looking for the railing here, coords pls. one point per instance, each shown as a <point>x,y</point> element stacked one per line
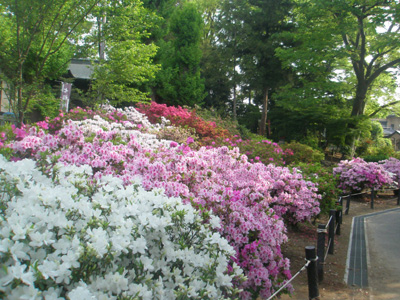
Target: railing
<point>372,191</point>
<point>315,258</point>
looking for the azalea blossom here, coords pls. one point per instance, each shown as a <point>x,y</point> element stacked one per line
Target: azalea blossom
<point>82,258</point>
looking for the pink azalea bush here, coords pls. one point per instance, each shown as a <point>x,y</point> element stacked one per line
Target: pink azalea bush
<point>392,165</point>
<point>252,200</point>
<point>356,175</point>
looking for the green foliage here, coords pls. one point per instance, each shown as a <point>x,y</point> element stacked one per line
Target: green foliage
<point>226,122</point>
<point>376,158</point>
<point>373,145</point>
<point>396,155</point>
<point>312,123</point>
<point>214,68</point>
<point>376,130</point>
<point>178,134</point>
<point>302,153</point>
<point>45,103</point>
<point>257,149</point>
<point>337,54</point>
<point>6,134</point>
<point>249,116</point>
<point>121,77</point>
<point>179,81</point>
<point>37,41</point>
<point>326,181</point>
<point>312,140</point>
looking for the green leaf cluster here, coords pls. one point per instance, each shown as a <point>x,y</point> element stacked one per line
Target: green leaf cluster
<point>179,81</point>
<point>127,66</point>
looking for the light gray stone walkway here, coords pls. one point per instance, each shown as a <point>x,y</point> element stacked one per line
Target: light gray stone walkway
<point>383,240</point>
<point>374,254</point>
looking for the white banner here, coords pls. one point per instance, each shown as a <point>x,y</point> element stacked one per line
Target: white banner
<point>65,95</point>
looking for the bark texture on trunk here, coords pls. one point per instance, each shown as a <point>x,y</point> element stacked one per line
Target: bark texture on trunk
<point>264,116</point>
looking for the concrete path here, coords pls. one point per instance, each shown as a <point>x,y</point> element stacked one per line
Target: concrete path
<point>373,259</point>
<point>383,240</point>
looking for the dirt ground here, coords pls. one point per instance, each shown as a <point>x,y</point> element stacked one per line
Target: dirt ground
<point>333,286</point>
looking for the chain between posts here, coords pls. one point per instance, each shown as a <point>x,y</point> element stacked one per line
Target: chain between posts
<point>291,279</point>
<point>315,261</point>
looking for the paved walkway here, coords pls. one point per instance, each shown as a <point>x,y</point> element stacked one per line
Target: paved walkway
<point>373,256</point>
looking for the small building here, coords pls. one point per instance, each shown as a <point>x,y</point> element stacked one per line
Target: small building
<point>395,138</point>
<point>4,103</point>
<point>390,124</point>
<point>391,130</point>
<point>79,72</point>
<point>80,69</point>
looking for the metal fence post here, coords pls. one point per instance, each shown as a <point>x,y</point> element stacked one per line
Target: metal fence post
<point>338,221</point>
<point>398,193</point>
<point>340,203</point>
<point>372,198</point>
<point>321,251</point>
<point>331,231</point>
<point>348,204</point>
<point>312,275</point>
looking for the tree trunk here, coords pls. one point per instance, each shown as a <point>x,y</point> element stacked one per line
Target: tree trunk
<point>263,122</point>
<point>20,109</point>
<point>19,113</point>
<point>234,103</point>
<point>101,21</point>
<point>359,100</point>
<point>234,111</point>
<point>358,110</point>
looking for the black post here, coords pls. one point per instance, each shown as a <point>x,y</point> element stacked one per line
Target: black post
<point>331,230</point>
<point>348,204</point>
<point>372,198</point>
<point>340,203</point>
<point>337,216</point>
<point>321,251</point>
<point>398,197</point>
<point>312,273</point>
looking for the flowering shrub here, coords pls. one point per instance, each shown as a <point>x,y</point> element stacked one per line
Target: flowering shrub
<point>263,151</point>
<point>207,131</point>
<point>302,153</point>
<point>212,115</point>
<point>356,175</point>
<point>251,199</point>
<point>392,165</point>
<point>326,182</point>
<point>70,237</point>
<point>179,135</point>
<point>289,191</point>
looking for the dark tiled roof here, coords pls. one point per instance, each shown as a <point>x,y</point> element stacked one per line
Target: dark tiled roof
<point>393,133</point>
<point>80,68</point>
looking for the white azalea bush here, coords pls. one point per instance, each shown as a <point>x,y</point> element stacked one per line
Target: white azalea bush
<point>66,236</point>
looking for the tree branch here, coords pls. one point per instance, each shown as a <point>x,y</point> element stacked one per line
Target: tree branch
<point>383,106</point>
<point>381,69</point>
<point>76,23</point>
<point>50,29</point>
<point>377,56</point>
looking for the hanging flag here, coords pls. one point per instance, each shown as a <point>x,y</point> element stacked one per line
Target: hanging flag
<point>65,95</point>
